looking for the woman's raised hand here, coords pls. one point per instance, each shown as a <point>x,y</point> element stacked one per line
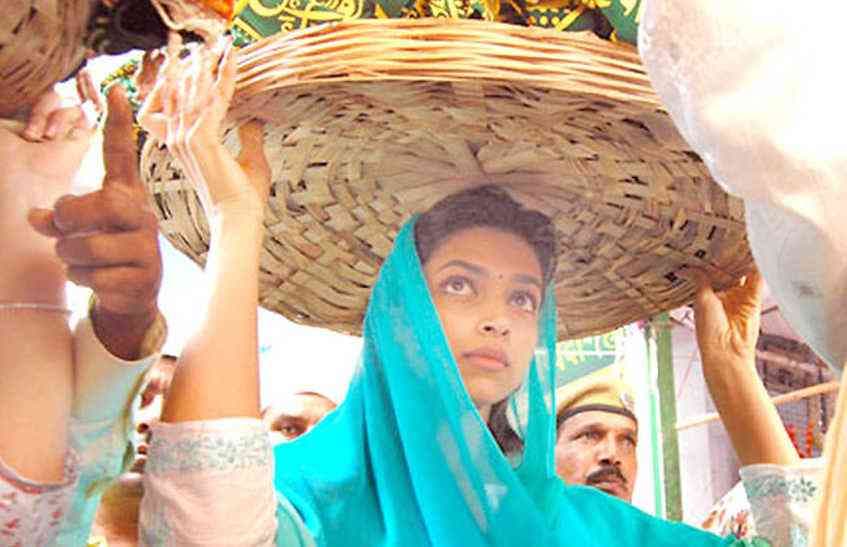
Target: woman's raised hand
<point>41,157</point>
<point>728,323</point>
<point>186,110</point>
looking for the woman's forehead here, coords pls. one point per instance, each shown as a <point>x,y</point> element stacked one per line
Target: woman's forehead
<point>496,251</point>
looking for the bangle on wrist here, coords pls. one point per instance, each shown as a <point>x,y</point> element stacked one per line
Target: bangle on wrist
<point>34,306</point>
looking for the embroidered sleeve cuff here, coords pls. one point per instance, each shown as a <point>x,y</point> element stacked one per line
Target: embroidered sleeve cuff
<point>782,499</point>
<point>209,483</point>
<point>219,446</point>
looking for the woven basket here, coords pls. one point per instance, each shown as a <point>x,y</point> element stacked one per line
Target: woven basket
<point>371,121</point>
<point>41,42</point>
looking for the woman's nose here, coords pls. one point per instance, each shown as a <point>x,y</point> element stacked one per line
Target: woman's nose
<point>494,326</point>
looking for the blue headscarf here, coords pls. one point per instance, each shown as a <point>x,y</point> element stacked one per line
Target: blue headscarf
<point>407,460</point>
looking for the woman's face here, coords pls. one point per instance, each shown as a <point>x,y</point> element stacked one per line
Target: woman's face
<point>487,287</point>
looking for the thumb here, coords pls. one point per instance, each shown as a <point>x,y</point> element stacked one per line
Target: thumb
<point>120,153</point>
<point>252,156</point>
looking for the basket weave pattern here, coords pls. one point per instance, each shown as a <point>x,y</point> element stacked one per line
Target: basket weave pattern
<point>372,121</point>
<point>41,42</point>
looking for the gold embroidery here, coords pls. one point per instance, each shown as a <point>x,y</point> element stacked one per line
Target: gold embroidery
<point>570,18</point>
<point>628,6</point>
<point>247,29</point>
<point>263,11</point>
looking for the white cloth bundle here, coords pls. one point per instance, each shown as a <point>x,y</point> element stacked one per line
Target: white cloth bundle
<point>756,88</point>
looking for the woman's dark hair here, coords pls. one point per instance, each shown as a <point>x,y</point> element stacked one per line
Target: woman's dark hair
<point>490,207</point>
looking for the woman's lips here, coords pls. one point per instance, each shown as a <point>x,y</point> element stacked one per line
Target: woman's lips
<point>487,358</point>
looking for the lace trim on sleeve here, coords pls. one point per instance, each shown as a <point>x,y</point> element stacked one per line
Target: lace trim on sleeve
<point>219,445</point>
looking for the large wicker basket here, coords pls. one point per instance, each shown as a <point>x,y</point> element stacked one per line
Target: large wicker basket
<point>371,121</point>
<point>41,42</point>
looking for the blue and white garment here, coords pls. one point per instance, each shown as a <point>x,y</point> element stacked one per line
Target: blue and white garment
<point>405,460</point>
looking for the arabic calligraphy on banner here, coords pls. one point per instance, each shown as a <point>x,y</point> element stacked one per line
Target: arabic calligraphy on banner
<point>613,19</point>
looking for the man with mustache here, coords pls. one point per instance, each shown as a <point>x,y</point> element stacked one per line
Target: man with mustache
<point>597,433</point>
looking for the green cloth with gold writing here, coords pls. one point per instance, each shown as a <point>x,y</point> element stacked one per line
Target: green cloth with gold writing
<point>613,19</point>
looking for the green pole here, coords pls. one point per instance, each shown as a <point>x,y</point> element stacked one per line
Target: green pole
<point>655,424</point>
<point>667,404</point>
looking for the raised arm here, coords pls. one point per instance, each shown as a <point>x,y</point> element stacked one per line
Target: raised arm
<point>209,474</point>
<point>40,159</point>
<point>36,372</point>
<point>727,331</point>
<point>218,372</point>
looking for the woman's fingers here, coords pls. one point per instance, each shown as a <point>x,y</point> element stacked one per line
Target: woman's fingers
<point>186,109</point>
<point>709,310</point>
<point>62,121</point>
<point>151,116</point>
<point>754,284</point>
<point>226,72</point>
<point>40,114</point>
<point>51,120</point>
<point>148,76</point>
<point>88,91</point>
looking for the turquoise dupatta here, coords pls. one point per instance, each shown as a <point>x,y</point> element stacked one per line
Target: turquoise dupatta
<point>406,459</point>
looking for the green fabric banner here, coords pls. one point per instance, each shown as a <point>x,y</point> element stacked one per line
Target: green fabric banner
<point>613,19</point>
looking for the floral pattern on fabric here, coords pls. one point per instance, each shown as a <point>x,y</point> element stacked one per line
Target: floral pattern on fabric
<point>30,512</point>
<point>772,506</point>
<point>794,489</point>
<point>731,515</point>
<point>782,500</point>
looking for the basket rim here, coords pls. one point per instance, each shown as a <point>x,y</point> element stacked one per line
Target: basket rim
<point>266,68</point>
<point>295,57</point>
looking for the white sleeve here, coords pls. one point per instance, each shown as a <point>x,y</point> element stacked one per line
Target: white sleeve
<point>209,483</point>
<point>99,430</point>
<point>104,385</point>
<point>756,91</point>
<point>782,500</point>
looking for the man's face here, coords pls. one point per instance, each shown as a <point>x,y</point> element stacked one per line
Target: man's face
<point>597,448</point>
<point>296,414</point>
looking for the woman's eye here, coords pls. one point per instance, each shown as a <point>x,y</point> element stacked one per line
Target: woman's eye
<point>524,301</point>
<point>457,285</point>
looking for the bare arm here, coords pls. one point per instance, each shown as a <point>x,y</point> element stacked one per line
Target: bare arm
<point>217,375</point>
<point>727,331</point>
<point>36,372</point>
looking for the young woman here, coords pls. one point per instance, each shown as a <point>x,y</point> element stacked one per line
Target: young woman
<point>446,435</point>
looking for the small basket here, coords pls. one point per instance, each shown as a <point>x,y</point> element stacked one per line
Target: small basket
<point>41,43</point>
<point>371,121</point>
